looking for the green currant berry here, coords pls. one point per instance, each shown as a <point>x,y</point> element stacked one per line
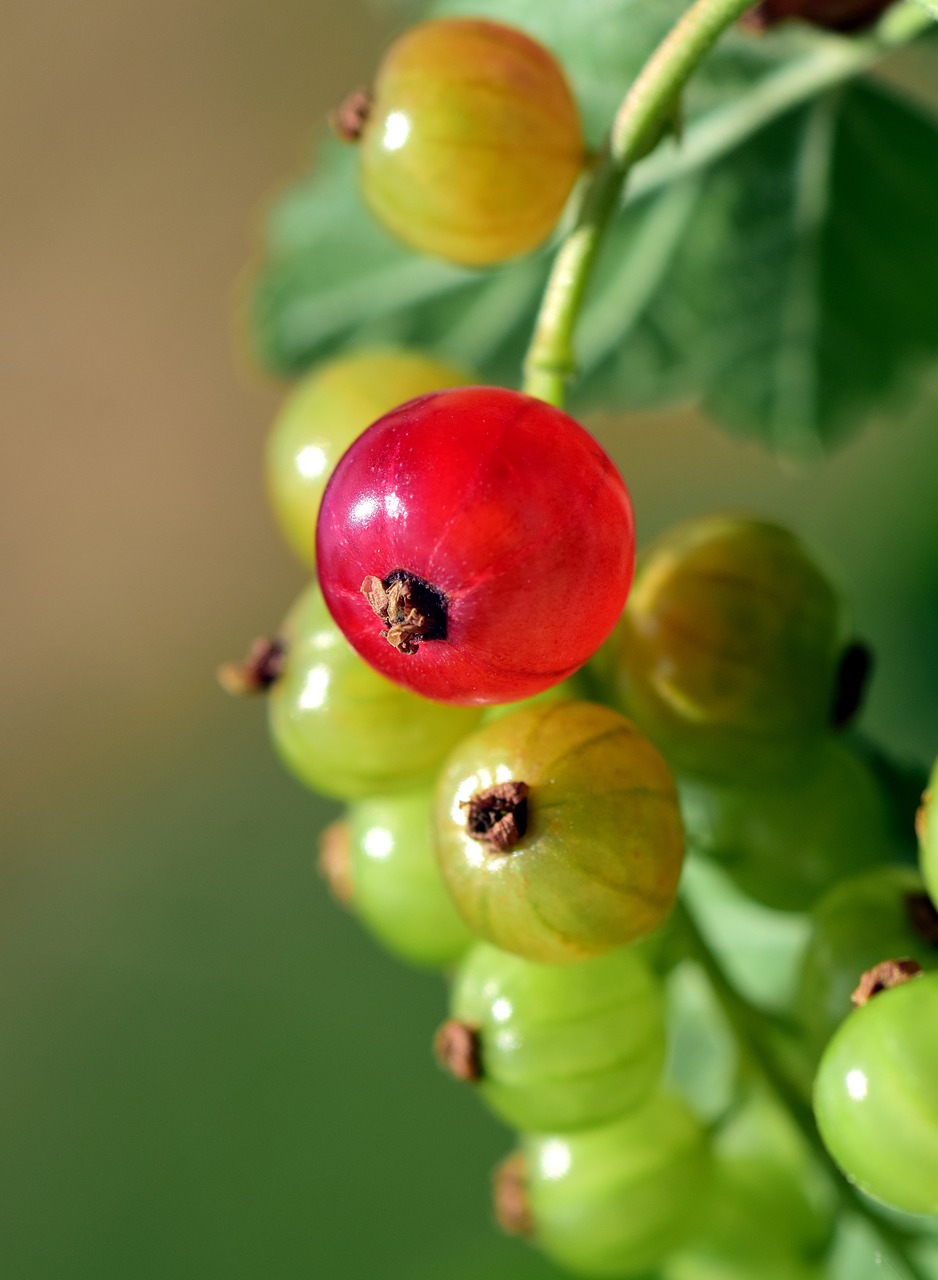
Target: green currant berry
<point>555,1047</point>
<point>876,1096</point>
<point>926,826</point>
<point>396,885</point>
<point>343,729</point>
<point>857,924</point>
<point>616,1200</point>
<point>558,832</point>
<point>470,142</point>
<point>785,845</point>
<point>728,651</point>
<point>321,417</point>
<point>719,1263</point>
<point>771,1212</point>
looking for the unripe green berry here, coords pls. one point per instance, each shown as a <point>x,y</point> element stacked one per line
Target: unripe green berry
<point>396,885</point>
<point>559,1047</point>
<point>727,652</point>
<point>558,832</point>
<point>876,1094</point>
<point>772,1212</point>
<point>787,844</point>
<point>471,141</point>
<point>864,919</point>
<point>343,729</point>
<point>616,1200</point>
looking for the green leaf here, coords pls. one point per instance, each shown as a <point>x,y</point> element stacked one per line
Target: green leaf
<point>776,264</point>
<point>802,297</point>
<point>930,6</point>
<point>603,44</point>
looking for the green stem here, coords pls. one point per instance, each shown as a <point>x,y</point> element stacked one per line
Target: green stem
<point>753,1029</point>
<point>718,132</point>
<point>550,361</point>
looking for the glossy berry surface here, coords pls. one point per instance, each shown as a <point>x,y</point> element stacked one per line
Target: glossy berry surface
<point>785,845</point>
<point>561,1047</point>
<point>343,729</point>
<point>876,1096</point>
<point>927,829</point>
<point>616,1200</point>
<point>486,535</point>
<point>727,653</point>
<point>320,418</point>
<point>472,141</point>
<point>863,920</point>
<point>397,889</point>
<point>558,832</point>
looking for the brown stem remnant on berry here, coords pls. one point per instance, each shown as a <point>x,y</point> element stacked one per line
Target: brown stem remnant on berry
<point>458,1050</point>
<point>510,1197</point>
<point>923,917</point>
<point>853,678</point>
<point>335,863</point>
<point>883,977</point>
<point>834,15</point>
<point>349,118</point>
<point>498,816</point>
<point>259,670</point>
<point>411,609</point>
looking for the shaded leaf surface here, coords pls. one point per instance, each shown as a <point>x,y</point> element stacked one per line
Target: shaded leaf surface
<point>789,286</point>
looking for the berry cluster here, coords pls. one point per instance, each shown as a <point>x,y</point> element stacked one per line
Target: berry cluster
<point>527,742</point>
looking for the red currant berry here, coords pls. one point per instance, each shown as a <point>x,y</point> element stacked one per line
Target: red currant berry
<point>470,140</point>
<point>321,417</point>
<point>475,545</point>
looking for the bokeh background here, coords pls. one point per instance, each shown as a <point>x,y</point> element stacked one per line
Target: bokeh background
<point>205,1069</point>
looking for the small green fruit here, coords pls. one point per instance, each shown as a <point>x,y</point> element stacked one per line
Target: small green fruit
<point>557,1047</point>
<point>343,729</point>
<point>558,832</point>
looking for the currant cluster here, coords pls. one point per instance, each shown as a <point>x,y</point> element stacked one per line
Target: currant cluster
<point>527,743</point>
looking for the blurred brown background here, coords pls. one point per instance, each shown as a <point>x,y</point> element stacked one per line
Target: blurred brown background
<point>204,1069</point>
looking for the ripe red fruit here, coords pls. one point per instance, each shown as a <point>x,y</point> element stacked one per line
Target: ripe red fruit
<point>489,533</point>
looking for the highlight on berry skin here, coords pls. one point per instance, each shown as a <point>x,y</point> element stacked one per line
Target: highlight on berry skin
<point>476,545</point>
<point>556,1047</point>
<point>323,413</point>
<point>597,863</point>
<point>470,140</point>
<point>876,1091</point>
<point>343,729</point>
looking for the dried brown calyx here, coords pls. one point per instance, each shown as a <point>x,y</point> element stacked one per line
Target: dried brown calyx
<point>260,669</point>
<point>459,1051</point>
<point>411,609</point>
<point>835,15</point>
<point>883,977</point>
<point>335,860</point>
<point>349,118</point>
<point>510,1197</point>
<point>498,816</point>
<point>923,917</point>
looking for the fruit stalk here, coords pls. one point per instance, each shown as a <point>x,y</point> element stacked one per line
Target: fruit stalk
<point>550,361</point>
<point>751,1027</point>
